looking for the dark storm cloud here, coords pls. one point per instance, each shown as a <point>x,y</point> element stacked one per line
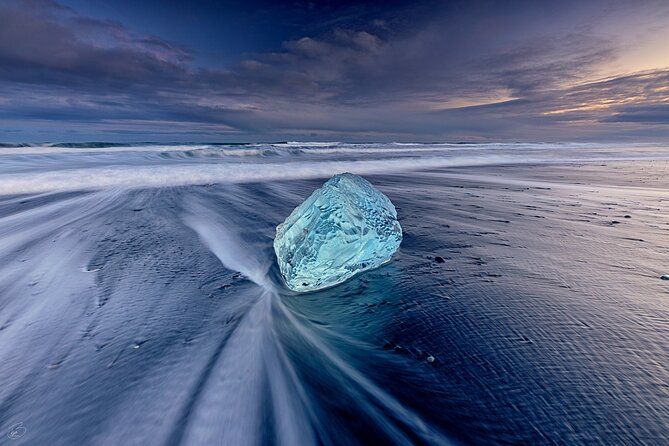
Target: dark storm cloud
<point>351,71</point>
<point>44,49</point>
<point>649,114</point>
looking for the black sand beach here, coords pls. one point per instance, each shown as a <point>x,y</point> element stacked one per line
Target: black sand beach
<point>156,315</point>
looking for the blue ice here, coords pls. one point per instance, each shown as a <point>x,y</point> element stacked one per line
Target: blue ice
<point>345,227</point>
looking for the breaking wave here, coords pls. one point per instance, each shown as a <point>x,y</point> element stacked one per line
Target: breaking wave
<point>71,167</point>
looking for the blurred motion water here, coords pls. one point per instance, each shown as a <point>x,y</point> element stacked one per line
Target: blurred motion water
<point>140,301</point>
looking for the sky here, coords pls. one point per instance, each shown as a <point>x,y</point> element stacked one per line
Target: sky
<point>247,71</point>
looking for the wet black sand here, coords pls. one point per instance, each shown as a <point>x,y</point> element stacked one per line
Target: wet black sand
<point>547,322</point>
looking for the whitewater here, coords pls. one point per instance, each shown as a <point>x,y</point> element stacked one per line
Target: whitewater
<point>141,303</point>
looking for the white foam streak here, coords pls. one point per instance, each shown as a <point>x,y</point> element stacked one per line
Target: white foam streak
<point>191,174</point>
<point>51,150</point>
<point>50,169</point>
<point>229,249</point>
<point>254,353</point>
<point>251,355</point>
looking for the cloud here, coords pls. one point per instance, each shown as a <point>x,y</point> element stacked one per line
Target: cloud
<point>46,44</point>
<point>645,114</point>
<point>483,73</point>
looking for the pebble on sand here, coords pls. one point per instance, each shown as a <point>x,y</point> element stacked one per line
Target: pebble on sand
<point>664,277</point>
<point>430,358</point>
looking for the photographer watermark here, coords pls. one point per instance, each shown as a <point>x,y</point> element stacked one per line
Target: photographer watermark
<point>16,431</point>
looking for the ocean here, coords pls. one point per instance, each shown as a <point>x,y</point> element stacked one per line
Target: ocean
<point>141,303</point>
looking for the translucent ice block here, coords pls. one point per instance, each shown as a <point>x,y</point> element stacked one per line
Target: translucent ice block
<point>345,227</point>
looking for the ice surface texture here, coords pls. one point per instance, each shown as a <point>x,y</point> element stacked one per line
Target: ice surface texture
<point>345,227</point>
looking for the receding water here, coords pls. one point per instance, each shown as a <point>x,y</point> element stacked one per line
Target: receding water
<point>140,301</point>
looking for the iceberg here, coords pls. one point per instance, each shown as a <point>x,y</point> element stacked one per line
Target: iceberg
<point>345,227</point>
